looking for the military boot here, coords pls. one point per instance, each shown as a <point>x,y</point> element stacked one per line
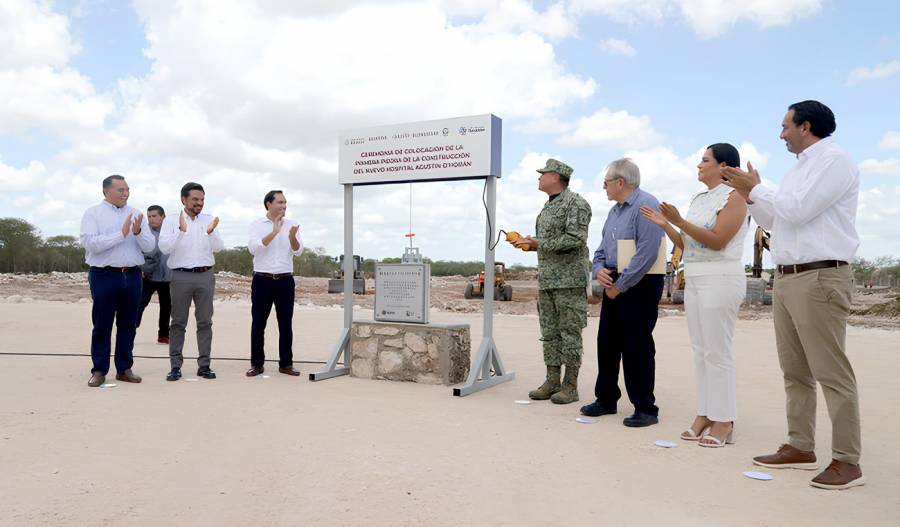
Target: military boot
<point>568,393</point>
<point>550,386</point>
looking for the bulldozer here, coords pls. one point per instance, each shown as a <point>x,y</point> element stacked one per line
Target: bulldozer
<point>336,283</point>
<point>502,290</point>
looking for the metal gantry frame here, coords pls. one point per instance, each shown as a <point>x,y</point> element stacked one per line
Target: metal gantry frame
<point>487,369</point>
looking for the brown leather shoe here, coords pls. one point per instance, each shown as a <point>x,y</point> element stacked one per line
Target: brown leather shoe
<point>128,376</point>
<point>289,371</point>
<point>254,371</point>
<point>788,457</point>
<point>97,379</point>
<point>839,476</point>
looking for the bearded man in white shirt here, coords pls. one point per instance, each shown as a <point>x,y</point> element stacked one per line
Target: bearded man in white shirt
<point>812,216</point>
<point>190,239</point>
<point>115,237</point>
<point>273,243</point>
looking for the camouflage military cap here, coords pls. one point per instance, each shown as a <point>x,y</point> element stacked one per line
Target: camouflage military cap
<point>564,170</point>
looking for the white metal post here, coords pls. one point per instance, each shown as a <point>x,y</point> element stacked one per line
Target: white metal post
<point>342,348</point>
<point>487,368</point>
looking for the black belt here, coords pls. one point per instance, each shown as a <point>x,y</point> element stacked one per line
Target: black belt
<point>802,268</point>
<point>274,276</point>
<point>192,269</point>
<point>111,269</point>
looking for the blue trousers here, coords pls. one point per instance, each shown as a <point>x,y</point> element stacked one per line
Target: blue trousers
<point>117,296</point>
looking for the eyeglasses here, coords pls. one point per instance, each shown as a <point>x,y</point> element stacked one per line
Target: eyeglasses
<point>608,181</point>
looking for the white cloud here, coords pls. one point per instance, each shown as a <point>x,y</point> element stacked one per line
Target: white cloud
<point>880,167</point>
<point>615,46</point>
<point>711,18</point>
<point>30,34</point>
<point>708,18</point>
<point>246,97</point>
<point>877,218</point>
<point>628,11</point>
<point>612,129</point>
<point>877,72</point>
<point>890,141</point>
<point>38,88</point>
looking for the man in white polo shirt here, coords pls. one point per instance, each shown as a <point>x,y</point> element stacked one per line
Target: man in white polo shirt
<point>190,239</point>
<point>115,237</point>
<point>273,243</point>
<point>812,216</point>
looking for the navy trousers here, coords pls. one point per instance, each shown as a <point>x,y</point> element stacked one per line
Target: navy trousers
<point>117,297</point>
<point>264,292</point>
<point>626,335</point>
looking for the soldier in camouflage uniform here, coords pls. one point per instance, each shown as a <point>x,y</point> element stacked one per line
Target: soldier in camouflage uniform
<point>560,239</point>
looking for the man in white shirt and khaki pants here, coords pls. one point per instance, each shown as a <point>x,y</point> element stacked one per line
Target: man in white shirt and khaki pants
<point>812,216</point>
<point>190,239</point>
<point>115,237</point>
<point>273,243</point>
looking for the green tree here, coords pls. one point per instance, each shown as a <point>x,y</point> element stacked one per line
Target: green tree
<point>19,244</point>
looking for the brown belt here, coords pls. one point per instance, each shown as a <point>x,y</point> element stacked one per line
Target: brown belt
<point>274,276</point>
<point>802,268</point>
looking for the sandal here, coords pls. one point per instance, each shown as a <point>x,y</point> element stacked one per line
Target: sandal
<point>689,435</point>
<point>715,442</point>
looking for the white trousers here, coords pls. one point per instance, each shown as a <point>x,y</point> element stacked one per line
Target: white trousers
<point>711,303</point>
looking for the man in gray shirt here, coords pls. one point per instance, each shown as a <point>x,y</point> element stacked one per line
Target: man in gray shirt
<point>630,299</point>
<point>157,276</point>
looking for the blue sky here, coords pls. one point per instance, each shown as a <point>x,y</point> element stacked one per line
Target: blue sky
<point>245,97</point>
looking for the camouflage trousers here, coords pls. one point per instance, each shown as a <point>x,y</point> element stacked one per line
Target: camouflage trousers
<point>563,314</point>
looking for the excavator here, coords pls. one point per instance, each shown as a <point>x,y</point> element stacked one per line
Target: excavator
<point>674,284</point>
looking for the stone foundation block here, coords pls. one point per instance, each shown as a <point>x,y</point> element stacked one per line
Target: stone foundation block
<point>429,353</point>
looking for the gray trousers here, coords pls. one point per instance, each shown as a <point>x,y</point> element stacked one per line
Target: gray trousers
<point>200,288</point>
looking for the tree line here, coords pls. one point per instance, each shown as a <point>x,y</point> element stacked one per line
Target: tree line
<point>24,250</point>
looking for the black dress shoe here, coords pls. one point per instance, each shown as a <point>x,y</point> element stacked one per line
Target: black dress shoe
<point>254,371</point>
<point>596,409</point>
<point>174,375</point>
<point>638,420</point>
<point>206,373</point>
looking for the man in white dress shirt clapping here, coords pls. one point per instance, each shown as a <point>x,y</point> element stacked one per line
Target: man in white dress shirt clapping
<point>115,237</point>
<point>190,239</point>
<point>274,241</point>
<point>812,216</point>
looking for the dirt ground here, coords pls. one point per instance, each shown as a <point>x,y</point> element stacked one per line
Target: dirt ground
<point>286,451</point>
<point>871,307</point>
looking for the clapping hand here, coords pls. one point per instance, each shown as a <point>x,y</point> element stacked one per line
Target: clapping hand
<point>182,225</point>
<point>126,226</point>
<point>654,216</point>
<point>136,228</point>
<point>293,232</point>
<point>212,225</point>
<point>740,180</point>
<point>277,224</point>
<point>670,212</point>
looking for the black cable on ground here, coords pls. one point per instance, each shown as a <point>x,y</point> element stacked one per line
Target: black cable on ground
<point>25,354</point>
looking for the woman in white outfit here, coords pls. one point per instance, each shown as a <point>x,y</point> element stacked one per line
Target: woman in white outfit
<point>712,236</point>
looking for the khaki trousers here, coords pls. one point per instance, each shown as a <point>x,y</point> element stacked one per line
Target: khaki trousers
<point>810,312</point>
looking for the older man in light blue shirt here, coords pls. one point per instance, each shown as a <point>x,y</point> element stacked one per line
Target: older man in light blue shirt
<point>630,299</point>
<point>115,237</point>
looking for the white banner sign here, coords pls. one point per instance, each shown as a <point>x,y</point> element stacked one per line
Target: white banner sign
<point>446,149</point>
